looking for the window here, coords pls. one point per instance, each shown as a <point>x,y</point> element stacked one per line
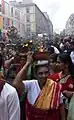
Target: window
<point>44,29</point>
<point>28,18</point>
<point>27,10</point>
<point>17,14</point>
<point>28,28</point>
<point>11,11</point>
<point>5,21</point>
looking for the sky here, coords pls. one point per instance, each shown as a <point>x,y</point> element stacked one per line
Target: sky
<point>58,11</point>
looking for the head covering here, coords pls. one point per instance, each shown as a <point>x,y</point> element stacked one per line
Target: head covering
<point>42,62</point>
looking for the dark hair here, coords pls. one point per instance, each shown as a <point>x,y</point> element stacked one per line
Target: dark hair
<point>11,69</point>
<point>53,57</point>
<point>38,66</point>
<point>1,61</point>
<point>65,58</point>
<point>51,50</point>
<point>72,42</point>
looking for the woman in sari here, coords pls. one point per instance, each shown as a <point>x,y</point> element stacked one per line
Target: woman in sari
<point>44,99</point>
<point>65,76</point>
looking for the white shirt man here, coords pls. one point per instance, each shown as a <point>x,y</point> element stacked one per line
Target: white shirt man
<point>9,103</point>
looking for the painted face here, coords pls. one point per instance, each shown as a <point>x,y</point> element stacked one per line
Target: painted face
<point>61,66</point>
<point>42,74</point>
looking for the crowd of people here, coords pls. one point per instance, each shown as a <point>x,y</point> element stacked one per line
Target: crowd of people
<point>37,85</point>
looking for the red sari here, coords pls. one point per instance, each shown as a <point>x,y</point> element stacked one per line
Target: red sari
<point>47,105</point>
<point>33,113</point>
<point>66,85</point>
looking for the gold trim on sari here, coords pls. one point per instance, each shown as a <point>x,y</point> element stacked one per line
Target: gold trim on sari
<point>47,98</point>
<point>64,79</point>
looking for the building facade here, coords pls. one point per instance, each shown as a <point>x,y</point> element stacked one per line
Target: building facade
<point>69,28</point>
<point>50,26</point>
<point>11,16</point>
<point>26,17</point>
<point>35,21</point>
<point>14,2</point>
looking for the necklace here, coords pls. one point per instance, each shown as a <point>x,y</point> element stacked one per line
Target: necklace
<point>64,78</point>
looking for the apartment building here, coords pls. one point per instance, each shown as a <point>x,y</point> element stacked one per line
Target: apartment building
<point>36,21</point>
<point>9,15</point>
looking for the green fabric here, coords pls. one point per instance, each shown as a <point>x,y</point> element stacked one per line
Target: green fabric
<point>23,97</point>
<point>1,70</point>
<point>71,109</point>
<point>29,73</point>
